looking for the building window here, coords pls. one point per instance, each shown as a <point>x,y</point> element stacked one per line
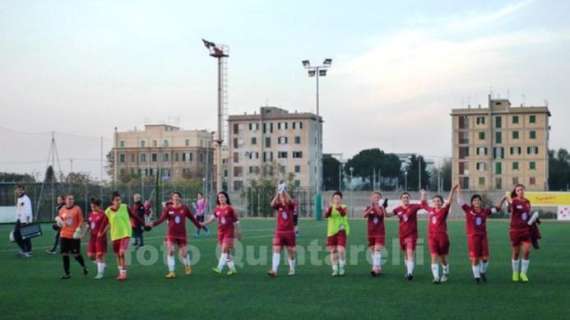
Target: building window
<point>532,165</point>
<point>482,135</point>
<point>498,137</point>
<point>297,154</point>
<point>480,120</point>
<point>463,122</point>
<point>297,169</point>
<point>154,143</point>
<point>122,157</point>
<point>498,183</point>
<point>532,150</point>
<point>238,172</point>
<point>464,182</point>
<point>133,157</point>
<point>498,168</point>
<point>463,137</point>
<point>300,125</point>
<point>515,181</point>
<point>516,150</point>
<point>165,157</point>
<point>532,134</point>
<point>532,181</point>
<point>463,152</point>
<point>294,125</point>
<point>498,153</point>
<point>122,144</point>
<point>268,142</point>
<point>235,143</point>
<point>154,157</point>
<point>187,142</point>
<point>282,140</point>
<point>236,157</point>
<point>515,165</point>
<point>264,127</point>
<point>278,125</point>
<point>271,127</point>
<point>515,135</point>
<point>176,157</point>
<point>286,125</point>
<point>481,166</point>
<point>143,157</point>
<point>253,140</point>
<point>238,185</point>
<point>481,151</point>
<point>462,170</point>
<point>142,143</point>
<point>165,143</point>
<point>282,155</point>
<point>532,119</point>
<point>498,122</point>
<point>250,126</point>
<point>236,128</point>
<point>297,139</point>
<point>515,119</point>
<point>481,181</point>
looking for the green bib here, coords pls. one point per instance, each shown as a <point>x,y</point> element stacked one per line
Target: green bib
<point>119,222</point>
<point>336,223</point>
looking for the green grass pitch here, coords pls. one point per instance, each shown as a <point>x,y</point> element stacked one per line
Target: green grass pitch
<point>30,288</point>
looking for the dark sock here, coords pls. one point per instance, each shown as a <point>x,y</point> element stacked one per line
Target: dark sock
<point>79,258</point>
<point>66,264</point>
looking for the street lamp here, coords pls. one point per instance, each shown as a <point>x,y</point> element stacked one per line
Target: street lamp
<point>219,52</point>
<point>317,72</point>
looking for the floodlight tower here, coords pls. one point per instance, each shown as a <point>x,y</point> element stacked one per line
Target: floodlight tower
<point>317,72</point>
<point>220,52</point>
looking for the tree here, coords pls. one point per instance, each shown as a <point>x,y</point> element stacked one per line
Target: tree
<point>16,177</point>
<point>442,172</point>
<point>558,169</point>
<point>50,175</point>
<point>413,173</point>
<point>370,162</point>
<point>78,178</point>
<point>331,172</point>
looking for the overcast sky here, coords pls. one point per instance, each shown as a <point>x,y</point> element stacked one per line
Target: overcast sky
<point>80,68</point>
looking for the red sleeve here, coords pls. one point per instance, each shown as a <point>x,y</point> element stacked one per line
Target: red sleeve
<point>162,218</point>
<point>234,215</point>
<point>342,211</point>
<point>328,212</point>
<point>424,205</point>
<point>276,206</point>
<point>417,207</point>
<point>465,208</point>
<point>190,216</point>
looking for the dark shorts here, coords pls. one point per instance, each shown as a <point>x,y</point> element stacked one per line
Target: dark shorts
<point>376,240</point>
<point>96,247</point>
<point>295,219</point>
<point>439,244</point>
<point>120,246</point>
<point>284,239</point>
<point>518,236</point>
<point>337,240</point>
<point>70,246</point>
<point>478,246</point>
<point>408,242</point>
<point>171,242</point>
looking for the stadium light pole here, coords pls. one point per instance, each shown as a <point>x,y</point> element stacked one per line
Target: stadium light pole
<point>317,72</point>
<point>219,52</point>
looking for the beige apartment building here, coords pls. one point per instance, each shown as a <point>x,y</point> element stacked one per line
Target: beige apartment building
<point>164,150</point>
<point>274,143</point>
<point>497,147</point>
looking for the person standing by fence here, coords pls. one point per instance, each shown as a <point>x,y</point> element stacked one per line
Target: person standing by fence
<point>141,211</point>
<point>59,204</point>
<point>200,207</point>
<point>23,217</point>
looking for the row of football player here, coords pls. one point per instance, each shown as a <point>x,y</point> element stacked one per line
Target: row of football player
<point>116,221</point>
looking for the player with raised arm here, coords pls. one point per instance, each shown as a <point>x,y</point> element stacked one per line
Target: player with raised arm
<point>119,226</point>
<point>407,213</point>
<point>228,230</point>
<point>520,231</point>
<point>438,239</point>
<point>284,236</point>
<point>374,214</point>
<point>97,246</point>
<point>176,213</point>
<point>338,230</point>
<point>70,220</point>
<point>476,229</point>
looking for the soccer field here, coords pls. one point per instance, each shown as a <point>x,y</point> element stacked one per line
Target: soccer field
<point>30,288</point>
